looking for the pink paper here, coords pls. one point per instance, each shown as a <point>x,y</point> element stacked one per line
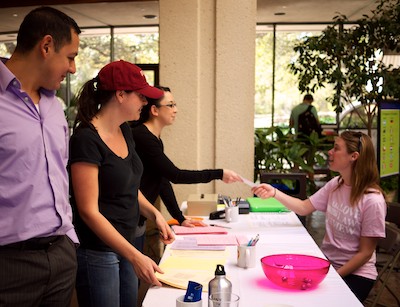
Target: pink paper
<point>182,230</point>
<point>218,240</point>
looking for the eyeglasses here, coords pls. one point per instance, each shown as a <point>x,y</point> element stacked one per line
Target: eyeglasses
<point>170,105</point>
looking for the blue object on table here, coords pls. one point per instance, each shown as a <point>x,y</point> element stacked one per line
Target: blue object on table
<point>193,292</point>
<point>284,188</point>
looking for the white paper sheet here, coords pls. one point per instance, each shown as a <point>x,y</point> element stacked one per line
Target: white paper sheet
<point>248,182</point>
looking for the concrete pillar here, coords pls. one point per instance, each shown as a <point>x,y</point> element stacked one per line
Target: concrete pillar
<point>207,57</point>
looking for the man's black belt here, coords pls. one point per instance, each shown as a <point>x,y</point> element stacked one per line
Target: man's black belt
<point>31,244</point>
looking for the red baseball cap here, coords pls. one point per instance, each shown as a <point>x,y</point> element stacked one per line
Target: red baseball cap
<point>124,76</point>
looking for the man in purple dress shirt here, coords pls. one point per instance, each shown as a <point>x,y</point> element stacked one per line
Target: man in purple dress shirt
<point>37,237</point>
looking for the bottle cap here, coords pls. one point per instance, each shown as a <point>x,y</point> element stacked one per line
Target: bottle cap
<point>220,270</point>
<point>193,292</point>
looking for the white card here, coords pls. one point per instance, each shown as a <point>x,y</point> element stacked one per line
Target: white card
<point>248,182</point>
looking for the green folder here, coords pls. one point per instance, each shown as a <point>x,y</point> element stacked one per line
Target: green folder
<point>266,205</point>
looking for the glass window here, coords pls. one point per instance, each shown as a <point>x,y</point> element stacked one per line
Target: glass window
<point>284,95</point>
<point>355,116</point>
<point>139,45</point>
<point>264,79</point>
<point>7,48</point>
<point>94,53</point>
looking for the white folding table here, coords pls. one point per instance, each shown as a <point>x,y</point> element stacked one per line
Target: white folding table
<point>279,233</point>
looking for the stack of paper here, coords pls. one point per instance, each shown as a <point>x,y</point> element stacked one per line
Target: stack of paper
<point>190,243</point>
<point>221,240</point>
<point>196,255</point>
<point>178,270</point>
<point>181,230</point>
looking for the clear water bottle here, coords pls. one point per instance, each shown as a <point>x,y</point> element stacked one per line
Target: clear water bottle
<point>220,283</point>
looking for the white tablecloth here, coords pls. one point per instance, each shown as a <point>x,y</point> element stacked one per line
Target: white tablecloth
<point>279,233</point>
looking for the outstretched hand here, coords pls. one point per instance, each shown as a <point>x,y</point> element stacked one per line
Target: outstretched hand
<point>230,176</point>
<point>264,190</point>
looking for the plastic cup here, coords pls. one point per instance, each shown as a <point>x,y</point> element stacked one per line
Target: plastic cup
<point>223,299</point>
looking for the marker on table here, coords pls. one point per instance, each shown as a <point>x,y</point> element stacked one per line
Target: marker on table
<point>254,241</point>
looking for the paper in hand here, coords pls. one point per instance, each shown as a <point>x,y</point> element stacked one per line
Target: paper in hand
<point>248,182</point>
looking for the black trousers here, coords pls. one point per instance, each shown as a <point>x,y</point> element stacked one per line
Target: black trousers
<point>38,272</point>
<point>360,286</point>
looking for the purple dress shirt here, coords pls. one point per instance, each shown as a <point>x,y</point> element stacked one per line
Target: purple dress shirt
<point>34,195</point>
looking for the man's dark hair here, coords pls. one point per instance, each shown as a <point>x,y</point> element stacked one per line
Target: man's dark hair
<point>45,21</point>
<point>308,97</point>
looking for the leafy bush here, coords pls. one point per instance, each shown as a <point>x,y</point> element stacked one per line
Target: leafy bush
<point>278,151</point>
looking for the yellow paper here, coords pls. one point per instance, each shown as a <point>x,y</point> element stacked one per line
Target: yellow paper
<point>199,254</point>
<point>191,263</point>
<point>179,270</point>
<point>180,278</point>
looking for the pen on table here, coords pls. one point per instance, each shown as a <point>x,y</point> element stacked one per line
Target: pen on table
<point>254,241</point>
<point>238,201</point>
<point>215,225</point>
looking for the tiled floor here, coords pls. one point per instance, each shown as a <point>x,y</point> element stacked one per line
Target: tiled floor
<point>316,227</point>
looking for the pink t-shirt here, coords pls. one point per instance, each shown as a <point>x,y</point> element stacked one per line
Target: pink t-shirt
<point>345,224</point>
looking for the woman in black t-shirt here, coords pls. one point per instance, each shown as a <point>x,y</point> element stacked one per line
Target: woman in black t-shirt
<point>105,173</point>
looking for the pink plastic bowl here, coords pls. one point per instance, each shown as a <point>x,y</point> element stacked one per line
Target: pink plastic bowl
<point>295,271</point>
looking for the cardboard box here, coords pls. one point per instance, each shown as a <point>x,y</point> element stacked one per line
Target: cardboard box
<point>201,204</point>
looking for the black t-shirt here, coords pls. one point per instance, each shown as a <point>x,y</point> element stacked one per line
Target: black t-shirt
<point>159,171</point>
<point>119,181</point>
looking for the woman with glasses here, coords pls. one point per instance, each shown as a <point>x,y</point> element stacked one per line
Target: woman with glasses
<point>354,207</point>
<point>159,171</point>
<point>105,173</point>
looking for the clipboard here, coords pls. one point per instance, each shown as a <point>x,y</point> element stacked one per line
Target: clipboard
<point>266,205</point>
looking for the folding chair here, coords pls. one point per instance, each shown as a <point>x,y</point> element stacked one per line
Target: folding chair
<point>391,249</point>
<point>393,218</point>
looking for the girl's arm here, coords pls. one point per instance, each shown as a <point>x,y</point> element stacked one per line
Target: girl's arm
<point>301,207</point>
<point>367,248</point>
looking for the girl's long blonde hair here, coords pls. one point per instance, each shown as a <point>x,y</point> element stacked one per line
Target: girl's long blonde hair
<point>365,175</point>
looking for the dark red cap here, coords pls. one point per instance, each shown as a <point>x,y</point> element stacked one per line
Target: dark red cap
<point>125,76</point>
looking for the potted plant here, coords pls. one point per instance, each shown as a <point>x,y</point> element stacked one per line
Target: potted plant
<point>390,186</point>
<point>284,152</point>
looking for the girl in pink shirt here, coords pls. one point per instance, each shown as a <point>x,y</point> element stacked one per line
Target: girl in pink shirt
<point>354,207</point>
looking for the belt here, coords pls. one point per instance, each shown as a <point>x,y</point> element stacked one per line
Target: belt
<point>31,244</point>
